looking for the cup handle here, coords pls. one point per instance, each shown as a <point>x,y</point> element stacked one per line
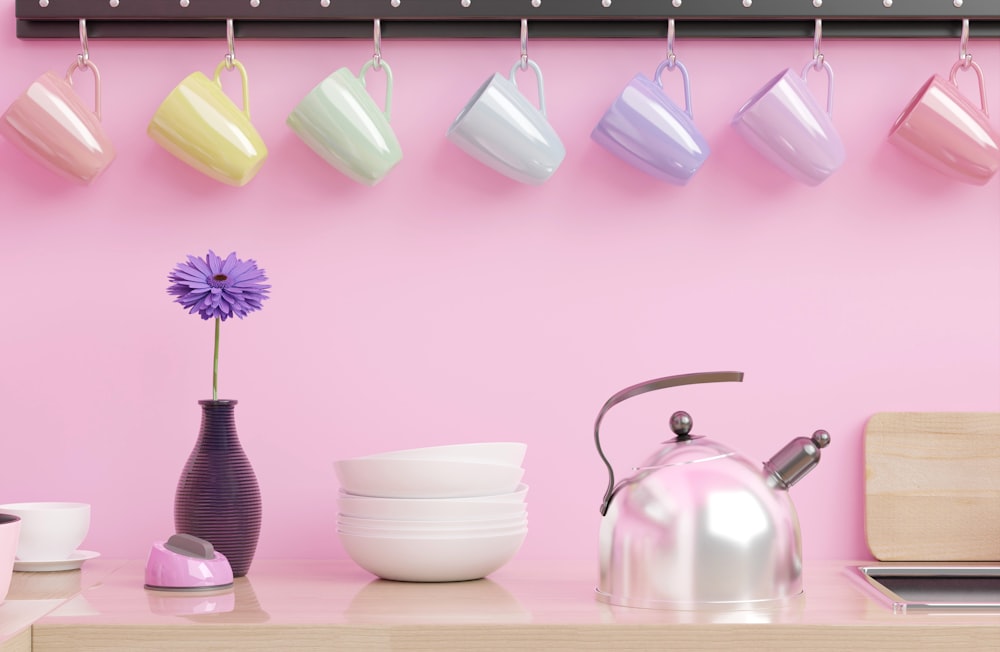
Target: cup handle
<point>670,64</point>
<point>821,64</point>
<point>963,64</point>
<point>233,63</point>
<point>388,82</point>
<point>91,66</point>
<point>538,75</point>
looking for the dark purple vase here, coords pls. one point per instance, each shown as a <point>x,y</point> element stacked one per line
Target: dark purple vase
<point>218,498</point>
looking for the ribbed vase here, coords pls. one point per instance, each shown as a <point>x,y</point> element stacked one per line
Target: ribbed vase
<point>218,498</point>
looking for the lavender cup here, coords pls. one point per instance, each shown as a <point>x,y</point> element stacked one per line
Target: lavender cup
<point>647,130</point>
<point>784,123</point>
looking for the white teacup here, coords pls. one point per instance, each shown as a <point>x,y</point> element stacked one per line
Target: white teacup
<point>49,531</point>
<point>10,527</point>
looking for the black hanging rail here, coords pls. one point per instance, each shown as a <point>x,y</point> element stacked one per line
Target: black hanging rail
<point>309,19</point>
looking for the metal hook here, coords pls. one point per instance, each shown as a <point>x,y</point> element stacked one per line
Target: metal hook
<point>231,42</point>
<point>963,53</point>
<point>817,44</point>
<point>377,57</point>
<point>83,59</point>
<point>83,62</point>
<point>671,57</point>
<point>524,44</point>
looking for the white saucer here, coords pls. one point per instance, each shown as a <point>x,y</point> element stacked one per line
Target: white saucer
<point>72,562</point>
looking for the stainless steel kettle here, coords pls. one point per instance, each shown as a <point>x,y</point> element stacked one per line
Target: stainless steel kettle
<point>699,525</point>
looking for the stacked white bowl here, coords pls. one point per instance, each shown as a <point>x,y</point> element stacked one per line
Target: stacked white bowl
<point>435,514</point>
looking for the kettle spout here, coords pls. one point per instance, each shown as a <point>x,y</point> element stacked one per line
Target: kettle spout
<point>795,460</point>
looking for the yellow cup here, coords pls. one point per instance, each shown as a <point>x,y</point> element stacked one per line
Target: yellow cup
<point>201,126</point>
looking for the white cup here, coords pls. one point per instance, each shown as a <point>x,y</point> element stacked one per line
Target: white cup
<point>500,128</point>
<point>10,527</point>
<point>49,531</point>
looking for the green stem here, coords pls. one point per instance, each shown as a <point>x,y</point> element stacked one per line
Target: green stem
<point>215,364</point>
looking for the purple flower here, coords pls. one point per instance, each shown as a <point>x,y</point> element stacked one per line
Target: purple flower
<point>217,288</point>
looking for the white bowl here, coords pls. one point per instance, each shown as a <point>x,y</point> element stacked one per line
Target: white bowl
<point>443,559</point>
<point>425,526</point>
<point>517,496</point>
<point>426,509</point>
<point>389,533</point>
<point>499,452</point>
<point>403,478</point>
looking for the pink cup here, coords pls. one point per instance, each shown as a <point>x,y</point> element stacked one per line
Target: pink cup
<point>50,123</point>
<point>10,529</point>
<point>942,128</point>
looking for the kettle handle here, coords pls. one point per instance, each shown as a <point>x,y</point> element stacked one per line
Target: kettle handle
<point>642,388</point>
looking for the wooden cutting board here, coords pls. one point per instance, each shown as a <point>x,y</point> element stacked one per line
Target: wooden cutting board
<point>932,486</point>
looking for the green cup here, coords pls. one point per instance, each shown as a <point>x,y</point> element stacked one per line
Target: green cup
<point>340,121</point>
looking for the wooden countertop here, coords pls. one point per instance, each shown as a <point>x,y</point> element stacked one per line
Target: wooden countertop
<point>323,605</point>
<point>32,595</point>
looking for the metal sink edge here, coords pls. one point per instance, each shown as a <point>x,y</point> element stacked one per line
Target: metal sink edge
<point>932,587</point>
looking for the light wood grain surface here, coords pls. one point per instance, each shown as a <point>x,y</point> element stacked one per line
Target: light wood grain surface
<point>20,642</point>
<point>932,486</point>
<point>527,605</point>
<point>32,595</point>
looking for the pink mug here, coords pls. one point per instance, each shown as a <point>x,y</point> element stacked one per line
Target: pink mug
<point>50,123</point>
<point>942,128</point>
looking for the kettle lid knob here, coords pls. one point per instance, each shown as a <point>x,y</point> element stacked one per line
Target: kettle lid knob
<point>680,423</point>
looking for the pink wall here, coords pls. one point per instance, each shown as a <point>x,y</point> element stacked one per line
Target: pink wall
<point>448,305</point>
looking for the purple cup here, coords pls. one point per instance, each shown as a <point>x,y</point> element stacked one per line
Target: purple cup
<point>784,123</point>
<point>644,128</point>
